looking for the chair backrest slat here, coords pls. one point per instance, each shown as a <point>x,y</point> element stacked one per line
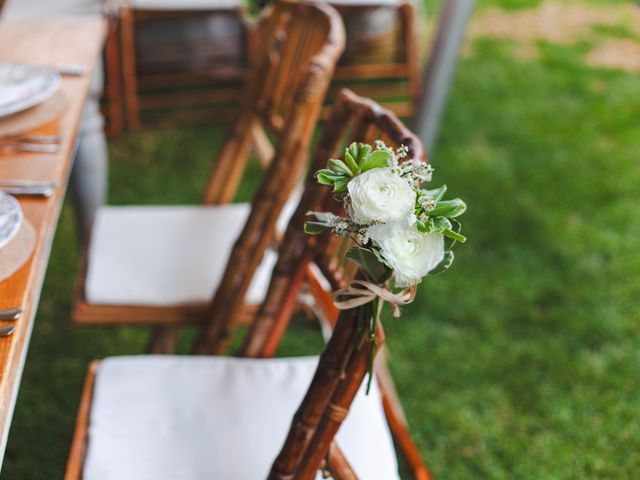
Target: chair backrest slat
<point>290,157</point>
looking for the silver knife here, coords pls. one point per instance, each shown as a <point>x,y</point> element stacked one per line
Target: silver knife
<point>10,314</point>
<point>6,330</point>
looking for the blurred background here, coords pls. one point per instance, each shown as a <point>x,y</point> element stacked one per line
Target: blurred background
<point>522,362</point>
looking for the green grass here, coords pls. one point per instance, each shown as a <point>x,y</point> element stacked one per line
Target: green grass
<point>522,361</point>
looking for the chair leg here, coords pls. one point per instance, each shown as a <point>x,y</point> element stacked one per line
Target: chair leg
<point>129,76</point>
<point>337,464</point>
<point>163,340</point>
<point>410,52</point>
<point>113,76</point>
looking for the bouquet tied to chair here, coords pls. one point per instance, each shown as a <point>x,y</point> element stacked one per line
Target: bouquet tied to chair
<point>401,231</point>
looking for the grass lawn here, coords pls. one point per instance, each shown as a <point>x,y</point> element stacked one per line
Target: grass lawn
<point>522,361</point>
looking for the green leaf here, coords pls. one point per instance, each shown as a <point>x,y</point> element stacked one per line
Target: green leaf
<point>425,227</point>
<point>353,150</point>
<point>377,159</point>
<point>340,185</point>
<point>441,223</point>
<point>370,262</point>
<point>454,235</point>
<point>449,208</point>
<point>437,193</point>
<point>444,264</point>
<point>363,152</point>
<point>314,228</point>
<point>339,166</point>
<point>324,178</point>
<point>351,163</point>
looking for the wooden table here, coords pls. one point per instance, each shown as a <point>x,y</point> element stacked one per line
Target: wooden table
<point>63,41</point>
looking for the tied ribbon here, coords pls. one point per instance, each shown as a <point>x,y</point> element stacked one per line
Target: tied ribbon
<point>361,292</point>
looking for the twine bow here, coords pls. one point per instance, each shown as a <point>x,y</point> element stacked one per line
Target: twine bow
<point>361,292</point>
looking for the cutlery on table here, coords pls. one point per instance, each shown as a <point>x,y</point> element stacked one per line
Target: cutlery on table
<point>71,70</point>
<point>28,187</point>
<point>11,314</point>
<point>6,330</point>
<point>29,147</point>
<point>32,139</point>
<point>31,143</point>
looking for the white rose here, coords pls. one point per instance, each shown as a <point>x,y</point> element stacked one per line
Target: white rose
<point>410,253</point>
<point>378,195</point>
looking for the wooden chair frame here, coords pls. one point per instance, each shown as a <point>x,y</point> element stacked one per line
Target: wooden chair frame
<point>364,120</point>
<point>112,103</point>
<point>406,66</point>
<point>228,301</point>
<point>304,70</point>
<point>342,366</point>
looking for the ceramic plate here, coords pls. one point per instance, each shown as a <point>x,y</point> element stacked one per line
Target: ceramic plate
<point>24,86</point>
<point>10,218</point>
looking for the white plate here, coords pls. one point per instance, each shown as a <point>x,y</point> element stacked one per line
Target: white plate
<point>24,86</point>
<point>10,218</point>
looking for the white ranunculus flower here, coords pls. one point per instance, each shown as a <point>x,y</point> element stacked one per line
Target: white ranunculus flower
<point>383,231</point>
<point>410,253</point>
<point>379,196</point>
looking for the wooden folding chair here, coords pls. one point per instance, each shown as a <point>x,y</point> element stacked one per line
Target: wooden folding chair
<point>133,272</point>
<point>224,417</point>
<point>181,57</point>
<point>353,119</point>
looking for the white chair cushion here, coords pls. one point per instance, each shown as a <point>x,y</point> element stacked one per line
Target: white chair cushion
<point>215,418</point>
<point>178,5</point>
<point>170,255</point>
<point>18,10</point>
<point>365,3</point>
<point>165,255</point>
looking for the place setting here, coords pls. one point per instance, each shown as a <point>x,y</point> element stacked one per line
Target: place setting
<point>30,97</point>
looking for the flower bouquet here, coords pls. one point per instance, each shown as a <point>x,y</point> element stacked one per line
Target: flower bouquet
<point>401,230</point>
